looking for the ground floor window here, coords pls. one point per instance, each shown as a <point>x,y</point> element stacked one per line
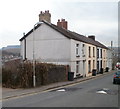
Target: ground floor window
<point>89,66</point>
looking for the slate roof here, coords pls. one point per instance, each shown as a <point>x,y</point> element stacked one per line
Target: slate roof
<point>69,34</point>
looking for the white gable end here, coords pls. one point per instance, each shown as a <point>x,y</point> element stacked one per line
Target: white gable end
<point>49,45</point>
<point>45,32</point>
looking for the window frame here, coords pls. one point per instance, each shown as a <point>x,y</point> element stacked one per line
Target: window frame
<point>77,50</point>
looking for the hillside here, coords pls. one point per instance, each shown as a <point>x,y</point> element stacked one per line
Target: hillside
<point>15,49</point>
<point>10,52</point>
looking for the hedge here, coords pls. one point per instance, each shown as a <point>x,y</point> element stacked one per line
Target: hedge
<point>22,77</point>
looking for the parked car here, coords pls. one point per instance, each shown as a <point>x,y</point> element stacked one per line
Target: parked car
<point>118,65</point>
<point>116,78</point>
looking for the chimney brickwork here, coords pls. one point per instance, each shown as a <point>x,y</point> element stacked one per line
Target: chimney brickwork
<point>62,23</point>
<point>92,37</point>
<point>45,16</point>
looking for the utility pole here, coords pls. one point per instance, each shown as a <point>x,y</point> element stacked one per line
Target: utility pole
<point>34,74</point>
<point>111,45</point>
<point>113,63</point>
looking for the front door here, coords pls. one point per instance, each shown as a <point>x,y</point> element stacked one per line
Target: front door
<point>84,74</point>
<point>98,66</point>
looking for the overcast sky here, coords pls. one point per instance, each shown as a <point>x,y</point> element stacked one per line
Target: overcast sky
<point>86,17</point>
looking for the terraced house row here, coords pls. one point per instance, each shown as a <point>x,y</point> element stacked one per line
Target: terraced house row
<point>51,43</point>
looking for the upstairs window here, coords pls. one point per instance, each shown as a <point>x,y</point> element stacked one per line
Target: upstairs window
<point>89,52</point>
<point>93,51</point>
<point>101,53</point>
<point>83,50</point>
<point>97,53</point>
<point>77,50</point>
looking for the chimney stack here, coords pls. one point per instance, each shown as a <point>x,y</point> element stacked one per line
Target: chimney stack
<point>91,37</point>
<point>62,24</point>
<point>45,16</point>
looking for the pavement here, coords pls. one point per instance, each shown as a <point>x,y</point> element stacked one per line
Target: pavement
<point>8,93</point>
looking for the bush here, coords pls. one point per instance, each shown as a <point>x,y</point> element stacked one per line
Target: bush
<point>23,76</point>
<point>6,77</point>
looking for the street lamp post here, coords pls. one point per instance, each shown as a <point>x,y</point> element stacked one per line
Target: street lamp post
<point>34,76</point>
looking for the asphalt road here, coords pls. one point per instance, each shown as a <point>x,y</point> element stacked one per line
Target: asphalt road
<point>98,92</point>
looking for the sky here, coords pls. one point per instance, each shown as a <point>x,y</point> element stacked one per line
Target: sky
<point>86,17</point>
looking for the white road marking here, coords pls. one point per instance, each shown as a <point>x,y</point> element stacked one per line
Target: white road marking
<point>61,90</point>
<point>101,92</point>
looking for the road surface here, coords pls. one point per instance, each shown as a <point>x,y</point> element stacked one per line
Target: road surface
<point>97,92</point>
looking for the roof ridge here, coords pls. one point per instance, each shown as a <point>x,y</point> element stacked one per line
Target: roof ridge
<point>69,34</point>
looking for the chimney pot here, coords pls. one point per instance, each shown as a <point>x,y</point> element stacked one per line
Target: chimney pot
<point>45,16</point>
<point>63,20</point>
<point>24,34</point>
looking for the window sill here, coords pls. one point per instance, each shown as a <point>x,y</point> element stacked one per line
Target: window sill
<point>78,56</point>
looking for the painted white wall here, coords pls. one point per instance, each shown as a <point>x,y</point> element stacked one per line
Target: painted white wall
<point>81,58</point>
<point>49,46</point>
